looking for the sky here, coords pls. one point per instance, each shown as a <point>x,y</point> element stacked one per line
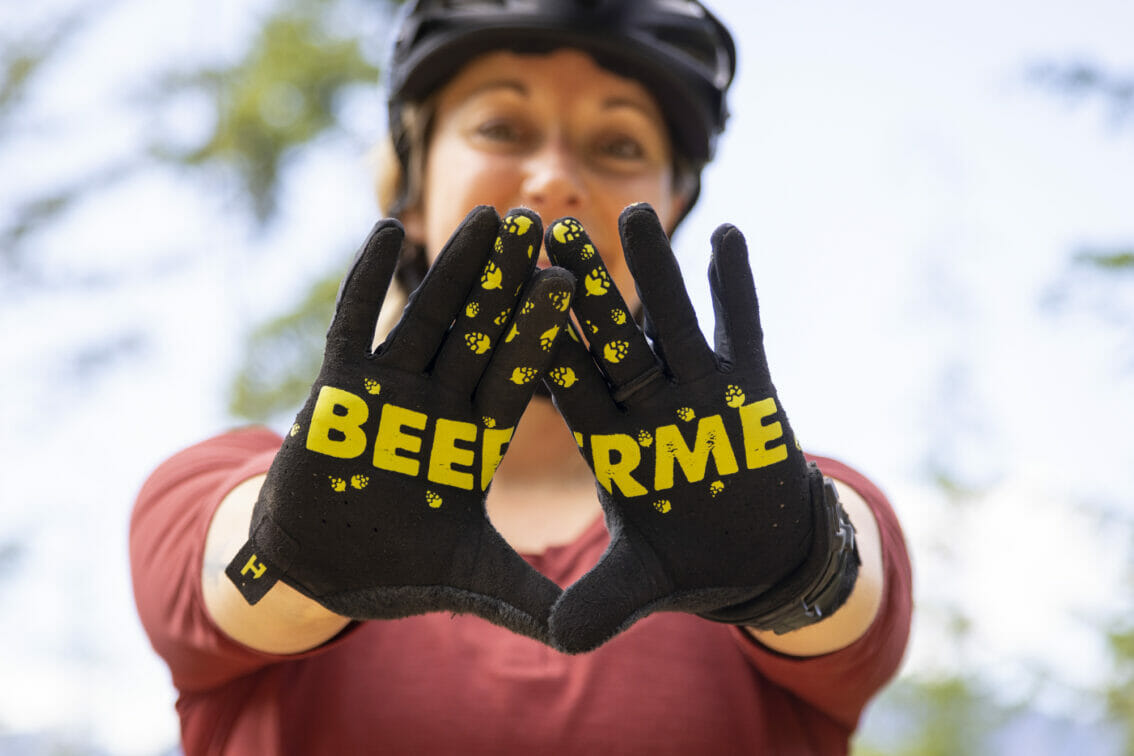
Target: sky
<point>910,201</point>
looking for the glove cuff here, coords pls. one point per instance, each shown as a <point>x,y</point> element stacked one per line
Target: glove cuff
<point>821,585</point>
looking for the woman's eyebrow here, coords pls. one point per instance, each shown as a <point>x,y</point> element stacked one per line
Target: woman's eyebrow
<point>633,103</point>
<point>496,84</point>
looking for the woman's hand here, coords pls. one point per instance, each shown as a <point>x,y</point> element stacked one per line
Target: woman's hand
<point>711,506</point>
<point>374,505</point>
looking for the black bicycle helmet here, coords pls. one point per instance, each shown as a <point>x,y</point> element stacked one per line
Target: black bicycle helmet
<point>682,54</point>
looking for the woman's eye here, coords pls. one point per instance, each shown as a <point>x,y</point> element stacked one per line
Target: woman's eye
<point>622,148</point>
<point>498,131</point>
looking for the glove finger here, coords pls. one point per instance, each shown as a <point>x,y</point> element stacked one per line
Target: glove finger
<point>577,386</point>
<point>433,306</point>
<point>739,338</point>
<point>613,595</point>
<point>503,588</point>
<point>671,320</point>
<point>524,352</point>
<point>490,303</point>
<point>363,290</point>
<point>617,343</point>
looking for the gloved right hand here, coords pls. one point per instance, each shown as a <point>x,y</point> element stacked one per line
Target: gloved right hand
<point>374,505</point>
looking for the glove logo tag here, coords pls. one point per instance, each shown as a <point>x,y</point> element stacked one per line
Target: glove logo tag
<point>254,567</point>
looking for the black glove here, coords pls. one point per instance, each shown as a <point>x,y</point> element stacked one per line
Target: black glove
<point>374,505</point>
<point>711,506</point>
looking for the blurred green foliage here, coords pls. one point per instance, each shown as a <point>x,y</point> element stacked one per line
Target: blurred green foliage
<point>1120,691</point>
<point>1101,270</point>
<point>1110,260</point>
<point>273,102</point>
<point>24,56</point>
<point>276,99</point>
<point>937,717</point>
<point>282,357</point>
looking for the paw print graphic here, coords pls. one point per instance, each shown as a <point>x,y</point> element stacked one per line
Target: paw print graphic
<point>615,351</point>
<point>564,377</point>
<point>734,397</point>
<point>502,318</point>
<point>597,283</point>
<point>587,252</point>
<point>517,224</point>
<point>359,481</point>
<point>372,386</point>
<point>527,308</point>
<point>522,375</point>
<point>489,422</point>
<point>645,439</point>
<point>574,336</point>
<point>566,231</point>
<point>547,338</point>
<point>686,414</point>
<point>294,430</point>
<point>492,277</point>
<point>498,246</point>
<point>560,300</point>
<point>513,333</point>
<point>715,488</point>
<point>618,316</point>
<point>663,505</point>
<point>472,310</point>
<point>477,342</point>
<point>338,485</point>
<point>433,500</point>
<point>593,328</point>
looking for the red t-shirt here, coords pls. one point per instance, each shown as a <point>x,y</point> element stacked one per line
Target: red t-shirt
<point>673,683</point>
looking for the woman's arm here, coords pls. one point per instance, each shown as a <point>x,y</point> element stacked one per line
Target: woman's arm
<point>853,618</point>
<point>284,621</point>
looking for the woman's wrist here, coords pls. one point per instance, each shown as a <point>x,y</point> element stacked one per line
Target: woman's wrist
<point>284,621</point>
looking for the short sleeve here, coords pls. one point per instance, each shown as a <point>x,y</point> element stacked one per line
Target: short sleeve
<point>167,539</point>
<point>841,683</point>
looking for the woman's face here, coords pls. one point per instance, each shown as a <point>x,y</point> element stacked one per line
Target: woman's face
<point>555,133</point>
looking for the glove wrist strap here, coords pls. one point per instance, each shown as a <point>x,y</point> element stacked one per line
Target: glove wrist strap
<point>834,562</point>
<point>836,580</point>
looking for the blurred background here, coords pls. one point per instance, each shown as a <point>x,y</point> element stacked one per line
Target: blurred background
<point>939,200</point>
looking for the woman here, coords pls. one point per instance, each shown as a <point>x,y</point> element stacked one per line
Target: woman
<point>725,605</point>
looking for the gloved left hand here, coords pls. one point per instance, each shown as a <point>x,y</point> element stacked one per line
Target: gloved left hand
<point>711,506</point>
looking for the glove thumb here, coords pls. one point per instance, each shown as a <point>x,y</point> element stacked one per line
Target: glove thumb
<point>613,595</point>
<point>503,588</point>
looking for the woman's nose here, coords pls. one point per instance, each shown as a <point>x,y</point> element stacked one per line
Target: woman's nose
<point>552,185</point>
